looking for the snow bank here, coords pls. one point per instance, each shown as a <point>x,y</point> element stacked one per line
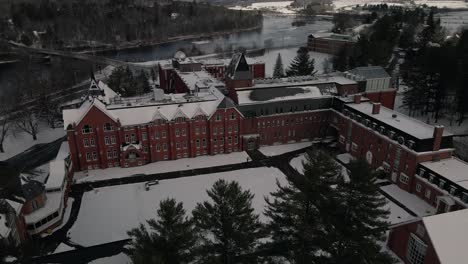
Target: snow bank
<point>117,259</point>
<point>411,201</point>
<point>285,148</point>
<point>107,213</point>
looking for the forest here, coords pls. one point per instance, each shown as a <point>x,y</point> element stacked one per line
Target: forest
<point>62,24</point>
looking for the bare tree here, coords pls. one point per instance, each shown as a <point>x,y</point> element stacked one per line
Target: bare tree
<point>27,121</point>
<point>5,126</point>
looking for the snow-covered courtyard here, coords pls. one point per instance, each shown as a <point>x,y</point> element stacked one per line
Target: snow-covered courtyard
<point>19,141</point>
<point>163,166</point>
<point>284,148</point>
<point>107,213</point>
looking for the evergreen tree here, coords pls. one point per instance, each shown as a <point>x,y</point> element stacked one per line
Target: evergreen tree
<point>229,226</point>
<point>302,64</point>
<point>278,71</point>
<point>297,215</point>
<point>340,61</point>
<point>171,238</point>
<point>359,220</point>
<point>142,84</point>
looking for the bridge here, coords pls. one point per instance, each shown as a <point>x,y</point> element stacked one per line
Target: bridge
<point>76,55</point>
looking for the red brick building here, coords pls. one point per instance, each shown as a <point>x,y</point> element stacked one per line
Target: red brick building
<point>329,43</point>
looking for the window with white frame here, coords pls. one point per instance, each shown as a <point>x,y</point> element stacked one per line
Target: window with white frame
<point>197,130</point>
<point>127,139</point>
<point>229,129</point>
<point>91,142</point>
<point>177,132</point>
<point>221,141</point>
<point>418,187</point>
<point>215,130</point>
<point>204,129</point>
<point>106,140</point>
<point>108,127</point>
<point>233,116</point>
<point>163,134</point>
<point>416,250</point>
<point>229,140</point>
<point>87,129</point>
<point>441,183</point>
<point>156,134</point>
<point>144,136</point>
<point>428,194</point>
<point>133,138</point>
<point>94,156</point>
<point>113,139</point>
<point>354,147</point>
<point>184,132</point>
<point>215,142</point>
<point>109,154</point>
<point>145,149</point>
<point>88,156</point>
<point>85,142</point>
<point>197,143</point>
<point>177,145</point>
<point>404,178</point>
<point>115,154</point>
<point>235,140</point>
<point>164,146</point>
<point>221,130</point>
<point>218,117</point>
<point>185,144</point>
<point>158,147</point>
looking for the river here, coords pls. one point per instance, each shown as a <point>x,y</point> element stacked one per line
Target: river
<point>276,28</point>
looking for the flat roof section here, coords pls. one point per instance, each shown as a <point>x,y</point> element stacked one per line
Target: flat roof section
<point>278,94</point>
<point>452,169</point>
<point>401,122</point>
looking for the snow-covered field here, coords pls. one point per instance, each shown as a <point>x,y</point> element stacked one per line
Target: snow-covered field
<point>63,248</point>
<point>163,166</point>
<point>285,148</point>
<point>117,259</point>
<point>107,213</point>
<point>21,141</point>
<point>411,201</point>
<point>287,56</point>
<point>340,4</point>
<point>282,7</point>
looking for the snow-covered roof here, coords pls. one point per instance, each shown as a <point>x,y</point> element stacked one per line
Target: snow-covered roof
<point>57,175</point>
<point>63,152</point>
<point>180,105</point>
<point>277,94</point>
<point>108,92</point>
<point>303,80</point>
<point>452,169</point>
<point>52,205</point>
<point>401,122</point>
<point>448,233</point>
<point>4,229</point>
<point>198,79</point>
<point>225,62</point>
<point>370,72</point>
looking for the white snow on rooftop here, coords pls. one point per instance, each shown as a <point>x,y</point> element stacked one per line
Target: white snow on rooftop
<point>411,201</point>
<point>53,204</point>
<point>283,148</point>
<point>107,213</point>
<point>401,122</point>
<point>448,233</point>
<point>16,206</point>
<point>4,229</point>
<point>63,248</point>
<point>63,152</point>
<point>452,169</point>
<point>57,174</point>
<point>303,81</point>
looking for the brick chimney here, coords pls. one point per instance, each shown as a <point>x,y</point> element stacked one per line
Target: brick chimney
<point>357,98</point>
<point>438,131</point>
<point>375,108</point>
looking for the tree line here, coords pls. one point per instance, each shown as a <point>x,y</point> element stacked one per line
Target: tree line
<point>302,65</point>
<point>75,23</point>
<point>126,83</point>
<point>317,218</point>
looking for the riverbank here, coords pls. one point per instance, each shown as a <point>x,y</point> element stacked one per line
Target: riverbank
<point>152,43</point>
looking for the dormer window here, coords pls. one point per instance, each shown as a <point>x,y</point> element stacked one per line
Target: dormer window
<point>108,127</point>
<point>87,129</point>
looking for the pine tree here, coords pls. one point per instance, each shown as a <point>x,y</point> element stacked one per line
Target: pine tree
<point>278,71</point>
<point>302,65</point>
<point>298,211</point>
<point>229,226</point>
<point>142,84</point>
<point>358,222</point>
<point>171,238</point>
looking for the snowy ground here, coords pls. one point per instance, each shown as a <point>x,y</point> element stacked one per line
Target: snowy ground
<point>284,148</point>
<point>62,248</point>
<point>411,201</point>
<point>348,4</point>
<point>344,157</point>
<point>282,7</point>
<point>20,141</point>
<point>297,164</point>
<point>287,56</point>
<point>40,173</point>
<point>117,259</point>
<point>107,213</point>
<point>163,166</point>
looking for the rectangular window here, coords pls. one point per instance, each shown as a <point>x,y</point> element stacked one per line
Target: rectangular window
<point>115,154</point>
<point>133,138</point>
<point>221,130</point>
<point>235,140</point>
<point>215,142</point>
<point>197,130</point>
<point>218,117</point>
<point>215,130</point>
<point>94,156</point>
<point>158,147</point>
<point>113,139</point>
<point>185,144</point>
<point>163,134</point>
<point>204,129</point>
<point>235,128</point>
<point>204,142</point>
<point>221,141</point>
<point>85,142</point>
<point>178,145</point>
<point>177,132</point>
<point>354,147</point>
<point>106,140</point>
<point>145,149</point>
<point>197,142</point>
<point>428,194</point>
<point>91,142</point>
<point>229,140</point>
<point>164,146</point>
<point>229,129</point>
<point>88,156</point>
<point>184,132</point>
<point>342,140</point>
<point>404,178</point>
<point>416,250</point>
<point>156,135</point>
<point>109,154</point>
<point>144,136</point>
<point>127,139</point>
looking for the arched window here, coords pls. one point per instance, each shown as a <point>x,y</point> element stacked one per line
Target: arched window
<point>87,129</point>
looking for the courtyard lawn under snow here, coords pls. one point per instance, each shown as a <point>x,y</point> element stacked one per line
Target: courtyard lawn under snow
<point>107,213</point>
<point>163,166</point>
<point>284,148</point>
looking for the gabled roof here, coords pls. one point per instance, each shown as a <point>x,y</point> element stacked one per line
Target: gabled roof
<point>71,116</point>
<point>370,72</point>
<point>448,233</point>
<point>238,68</point>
